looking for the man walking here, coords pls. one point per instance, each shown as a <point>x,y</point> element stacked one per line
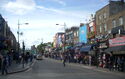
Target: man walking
<point>4,65</point>
<point>64,60</point>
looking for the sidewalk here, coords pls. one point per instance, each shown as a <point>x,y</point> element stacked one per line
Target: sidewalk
<point>15,68</point>
<point>99,69</point>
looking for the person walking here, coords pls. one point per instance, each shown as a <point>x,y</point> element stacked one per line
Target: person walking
<point>4,65</point>
<point>64,60</point>
<point>0,61</point>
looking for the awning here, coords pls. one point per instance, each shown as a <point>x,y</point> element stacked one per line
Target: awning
<point>86,48</point>
<point>116,48</point>
<point>67,47</point>
<point>79,44</point>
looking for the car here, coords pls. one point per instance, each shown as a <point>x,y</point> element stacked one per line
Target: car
<point>39,57</point>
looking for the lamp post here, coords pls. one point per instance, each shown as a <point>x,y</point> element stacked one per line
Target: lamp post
<point>20,33</point>
<point>64,34</point>
<point>23,47</point>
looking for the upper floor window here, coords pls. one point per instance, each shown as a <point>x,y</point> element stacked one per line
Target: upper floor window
<point>75,34</point>
<point>114,23</point>
<point>91,29</point>
<point>105,27</point>
<point>105,15</point>
<point>100,29</point>
<point>100,17</point>
<point>121,21</point>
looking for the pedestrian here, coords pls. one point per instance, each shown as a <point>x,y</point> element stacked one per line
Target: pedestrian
<point>118,63</point>
<point>111,63</point>
<point>64,60</point>
<point>4,65</point>
<point>0,61</point>
<point>31,57</point>
<point>122,64</point>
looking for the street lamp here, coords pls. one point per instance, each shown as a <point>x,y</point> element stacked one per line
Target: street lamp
<point>64,34</point>
<point>20,33</point>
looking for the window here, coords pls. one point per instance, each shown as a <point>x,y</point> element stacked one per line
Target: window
<point>120,21</point>
<point>105,15</point>
<point>100,17</point>
<point>100,29</point>
<point>105,27</point>
<point>91,29</point>
<point>75,34</point>
<point>114,23</point>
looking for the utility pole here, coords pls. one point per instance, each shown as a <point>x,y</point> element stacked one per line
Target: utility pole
<point>18,32</point>
<point>23,47</point>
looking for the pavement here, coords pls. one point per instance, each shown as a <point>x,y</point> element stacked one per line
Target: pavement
<point>16,67</point>
<point>100,69</point>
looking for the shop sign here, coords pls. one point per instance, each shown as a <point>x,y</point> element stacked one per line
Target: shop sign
<point>103,45</point>
<point>117,41</point>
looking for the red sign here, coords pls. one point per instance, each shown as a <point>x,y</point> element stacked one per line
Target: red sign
<point>117,41</point>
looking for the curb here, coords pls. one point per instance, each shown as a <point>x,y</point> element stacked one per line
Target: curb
<point>22,70</point>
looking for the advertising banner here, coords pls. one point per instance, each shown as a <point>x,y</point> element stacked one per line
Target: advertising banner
<point>117,41</point>
<point>83,34</point>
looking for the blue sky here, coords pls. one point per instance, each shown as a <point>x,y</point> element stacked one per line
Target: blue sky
<point>43,15</point>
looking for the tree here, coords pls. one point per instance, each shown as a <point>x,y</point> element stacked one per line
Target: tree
<point>41,47</point>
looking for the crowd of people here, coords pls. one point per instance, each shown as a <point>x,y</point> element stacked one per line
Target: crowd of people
<point>9,57</point>
<point>102,60</point>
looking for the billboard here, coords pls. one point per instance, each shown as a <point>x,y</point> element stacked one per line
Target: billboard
<point>83,34</point>
<point>117,41</point>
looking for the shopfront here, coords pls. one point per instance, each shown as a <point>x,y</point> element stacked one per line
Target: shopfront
<point>89,53</point>
<point>117,50</point>
<point>102,55</point>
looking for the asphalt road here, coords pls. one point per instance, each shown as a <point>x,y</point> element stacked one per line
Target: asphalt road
<point>49,69</point>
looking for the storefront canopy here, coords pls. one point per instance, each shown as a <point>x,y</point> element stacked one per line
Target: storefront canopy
<point>115,48</point>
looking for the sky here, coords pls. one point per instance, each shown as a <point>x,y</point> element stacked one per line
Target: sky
<point>43,15</point>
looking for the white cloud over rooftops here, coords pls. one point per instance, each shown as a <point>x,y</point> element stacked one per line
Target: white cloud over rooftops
<point>20,6</point>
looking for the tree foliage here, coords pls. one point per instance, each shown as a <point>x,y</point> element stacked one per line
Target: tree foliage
<point>41,47</point>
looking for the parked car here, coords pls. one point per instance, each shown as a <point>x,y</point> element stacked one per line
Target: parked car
<point>39,57</point>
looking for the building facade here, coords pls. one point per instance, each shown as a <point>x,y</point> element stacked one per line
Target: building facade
<point>72,36</point>
<point>59,39</point>
<point>110,26</point>
<point>109,17</point>
<point>91,31</point>
<point>7,38</point>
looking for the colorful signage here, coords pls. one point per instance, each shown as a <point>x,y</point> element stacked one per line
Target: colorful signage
<point>117,41</point>
<point>83,34</point>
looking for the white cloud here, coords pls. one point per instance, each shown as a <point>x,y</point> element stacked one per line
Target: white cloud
<point>20,6</point>
<point>50,9</point>
<point>60,2</point>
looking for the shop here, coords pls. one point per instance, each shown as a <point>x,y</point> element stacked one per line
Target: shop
<point>102,55</point>
<point>117,51</point>
<point>88,51</point>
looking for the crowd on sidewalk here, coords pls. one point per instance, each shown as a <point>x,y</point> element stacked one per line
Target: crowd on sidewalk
<point>7,57</point>
<point>104,61</point>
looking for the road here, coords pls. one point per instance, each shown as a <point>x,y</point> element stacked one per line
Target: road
<point>50,69</point>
